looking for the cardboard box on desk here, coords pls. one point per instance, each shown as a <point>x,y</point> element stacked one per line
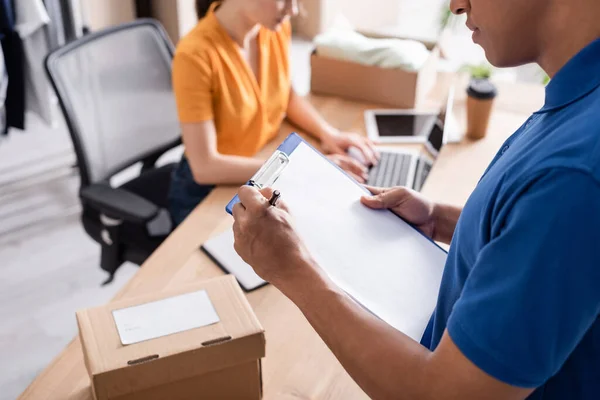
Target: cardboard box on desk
<point>387,86</point>
<point>220,360</point>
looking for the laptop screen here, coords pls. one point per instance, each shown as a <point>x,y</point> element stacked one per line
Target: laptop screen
<point>402,125</point>
<point>437,137</point>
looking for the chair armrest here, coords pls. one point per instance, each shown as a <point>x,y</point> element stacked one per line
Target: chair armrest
<point>118,203</point>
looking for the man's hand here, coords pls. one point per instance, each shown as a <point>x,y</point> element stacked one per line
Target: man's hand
<point>406,203</point>
<point>438,221</point>
<point>265,238</point>
<point>340,143</point>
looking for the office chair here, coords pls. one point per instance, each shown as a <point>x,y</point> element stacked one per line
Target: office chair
<point>114,89</point>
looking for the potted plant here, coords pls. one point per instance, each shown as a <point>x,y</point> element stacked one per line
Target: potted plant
<point>480,71</point>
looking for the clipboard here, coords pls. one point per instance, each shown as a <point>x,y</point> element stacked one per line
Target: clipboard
<point>272,169</point>
<point>385,264</point>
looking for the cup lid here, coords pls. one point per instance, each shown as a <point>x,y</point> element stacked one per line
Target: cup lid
<point>482,89</point>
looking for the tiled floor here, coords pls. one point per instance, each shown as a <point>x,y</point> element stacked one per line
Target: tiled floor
<point>48,266</point>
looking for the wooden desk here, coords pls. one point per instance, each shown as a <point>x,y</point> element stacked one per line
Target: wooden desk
<point>298,365</point>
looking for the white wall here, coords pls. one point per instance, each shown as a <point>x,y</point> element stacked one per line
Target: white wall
<point>419,18</point>
<point>186,12</point>
<point>362,14</point>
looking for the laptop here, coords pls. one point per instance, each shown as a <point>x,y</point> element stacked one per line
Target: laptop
<point>401,167</point>
<point>401,126</point>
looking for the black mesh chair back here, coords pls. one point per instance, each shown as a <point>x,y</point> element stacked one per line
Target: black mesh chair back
<point>114,88</point>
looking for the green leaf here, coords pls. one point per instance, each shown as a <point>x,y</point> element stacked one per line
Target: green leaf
<point>481,71</point>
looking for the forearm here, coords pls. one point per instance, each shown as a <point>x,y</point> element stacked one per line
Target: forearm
<point>302,114</point>
<point>384,362</point>
<point>446,218</point>
<point>225,169</point>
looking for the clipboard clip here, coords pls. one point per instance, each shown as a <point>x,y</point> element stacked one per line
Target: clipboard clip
<point>270,171</point>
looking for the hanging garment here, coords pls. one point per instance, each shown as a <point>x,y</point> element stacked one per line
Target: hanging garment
<point>72,19</point>
<point>3,90</point>
<point>12,48</point>
<point>78,18</point>
<point>65,21</point>
<point>31,19</point>
<point>56,27</point>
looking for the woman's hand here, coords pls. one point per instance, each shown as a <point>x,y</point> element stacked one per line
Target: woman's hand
<point>354,168</point>
<point>340,143</point>
<point>266,239</point>
<point>406,203</point>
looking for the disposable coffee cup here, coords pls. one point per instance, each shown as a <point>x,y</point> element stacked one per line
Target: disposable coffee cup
<point>480,100</point>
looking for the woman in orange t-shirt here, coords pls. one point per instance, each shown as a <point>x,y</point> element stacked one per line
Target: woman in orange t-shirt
<point>231,78</point>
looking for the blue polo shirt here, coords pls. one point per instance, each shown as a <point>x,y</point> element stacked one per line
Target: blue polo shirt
<point>520,295</point>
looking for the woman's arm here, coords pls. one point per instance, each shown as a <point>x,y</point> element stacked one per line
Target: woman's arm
<point>194,90</point>
<point>207,165</point>
<point>302,114</point>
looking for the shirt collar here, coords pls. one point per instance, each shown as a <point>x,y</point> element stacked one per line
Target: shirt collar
<point>577,78</point>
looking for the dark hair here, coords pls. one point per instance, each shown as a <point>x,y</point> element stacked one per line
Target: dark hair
<point>202,7</point>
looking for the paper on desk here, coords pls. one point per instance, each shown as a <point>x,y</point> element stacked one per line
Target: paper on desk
<point>377,258</point>
<point>165,317</point>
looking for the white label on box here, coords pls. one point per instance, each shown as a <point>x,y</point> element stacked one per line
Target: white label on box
<point>165,317</point>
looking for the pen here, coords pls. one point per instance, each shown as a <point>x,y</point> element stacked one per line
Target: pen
<point>274,198</point>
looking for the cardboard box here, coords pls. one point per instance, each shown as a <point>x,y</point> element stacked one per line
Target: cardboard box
<point>387,86</point>
<point>218,361</point>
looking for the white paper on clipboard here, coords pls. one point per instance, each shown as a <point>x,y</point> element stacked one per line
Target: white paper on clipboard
<point>386,265</point>
<point>377,258</point>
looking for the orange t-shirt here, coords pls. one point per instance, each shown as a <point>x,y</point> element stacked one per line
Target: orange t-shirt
<point>212,81</point>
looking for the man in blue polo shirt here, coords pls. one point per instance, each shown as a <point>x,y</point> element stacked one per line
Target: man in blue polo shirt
<point>518,310</point>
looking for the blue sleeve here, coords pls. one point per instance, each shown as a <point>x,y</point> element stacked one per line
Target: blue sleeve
<point>534,290</point>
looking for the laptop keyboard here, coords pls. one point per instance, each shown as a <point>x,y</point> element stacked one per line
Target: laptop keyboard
<point>392,170</point>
